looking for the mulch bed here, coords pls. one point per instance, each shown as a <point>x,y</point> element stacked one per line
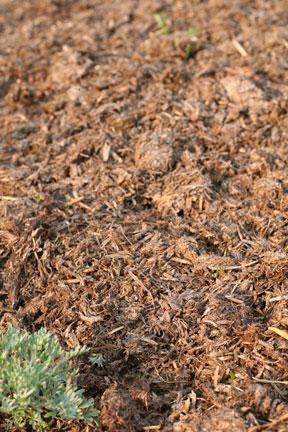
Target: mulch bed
<point>144,199</point>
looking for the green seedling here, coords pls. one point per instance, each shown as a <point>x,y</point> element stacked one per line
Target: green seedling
<point>161,21</point>
<point>218,273</point>
<point>97,360</point>
<point>191,32</point>
<point>188,50</point>
<point>38,198</point>
<point>232,378</point>
<point>68,200</point>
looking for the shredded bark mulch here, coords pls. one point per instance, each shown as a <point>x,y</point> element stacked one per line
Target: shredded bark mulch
<point>143,203</point>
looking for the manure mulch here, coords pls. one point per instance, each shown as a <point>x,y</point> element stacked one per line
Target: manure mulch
<point>143,203</point>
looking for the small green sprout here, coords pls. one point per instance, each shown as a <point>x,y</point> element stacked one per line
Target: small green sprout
<point>38,198</point>
<point>218,273</point>
<point>161,21</point>
<point>68,200</point>
<point>232,378</point>
<point>188,50</point>
<point>97,359</point>
<point>192,32</point>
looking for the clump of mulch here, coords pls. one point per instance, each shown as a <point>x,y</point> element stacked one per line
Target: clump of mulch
<point>154,152</point>
<point>218,420</point>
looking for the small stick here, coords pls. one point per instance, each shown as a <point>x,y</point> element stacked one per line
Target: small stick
<point>240,267</point>
<point>115,330</point>
<point>269,426</point>
<point>239,48</point>
<point>140,283</point>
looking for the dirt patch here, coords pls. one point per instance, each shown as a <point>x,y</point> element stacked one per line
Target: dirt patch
<point>143,203</point>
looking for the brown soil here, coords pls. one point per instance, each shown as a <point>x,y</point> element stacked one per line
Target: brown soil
<point>144,199</point>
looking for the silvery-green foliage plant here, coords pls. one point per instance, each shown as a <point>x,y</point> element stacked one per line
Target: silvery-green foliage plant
<point>37,380</point>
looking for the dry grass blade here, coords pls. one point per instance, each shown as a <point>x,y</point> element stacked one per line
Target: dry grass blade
<point>239,48</point>
<point>280,332</point>
<point>266,381</point>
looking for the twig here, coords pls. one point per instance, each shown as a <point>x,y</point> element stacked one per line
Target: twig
<point>239,267</point>
<point>140,283</point>
<point>269,426</point>
<point>117,329</point>
<point>239,48</point>
<point>9,198</point>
